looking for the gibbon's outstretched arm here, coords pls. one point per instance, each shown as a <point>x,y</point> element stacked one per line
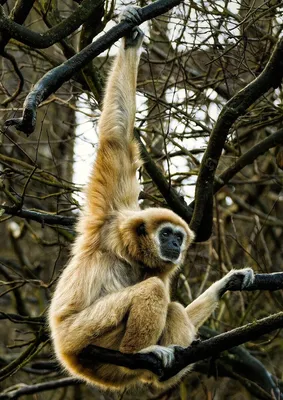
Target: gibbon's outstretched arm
<point>115,290</point>
<point>113,184</point>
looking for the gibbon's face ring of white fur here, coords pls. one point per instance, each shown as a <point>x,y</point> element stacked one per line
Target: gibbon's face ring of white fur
<point>155,237</point>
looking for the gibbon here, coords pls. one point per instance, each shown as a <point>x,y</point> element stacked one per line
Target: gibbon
<point>115,291</point>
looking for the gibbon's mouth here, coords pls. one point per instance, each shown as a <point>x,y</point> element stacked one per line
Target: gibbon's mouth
<point>171,255</point>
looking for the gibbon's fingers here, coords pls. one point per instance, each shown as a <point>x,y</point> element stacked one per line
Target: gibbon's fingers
<point>131,13</point>
<point>165,354</point>
<point>134,38</point>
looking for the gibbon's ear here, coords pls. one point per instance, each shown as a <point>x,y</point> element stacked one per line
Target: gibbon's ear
<point>141,229</point>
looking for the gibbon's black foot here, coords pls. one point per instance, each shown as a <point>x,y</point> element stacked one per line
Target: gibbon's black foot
<point>166,354</point>
<point>237,280</point>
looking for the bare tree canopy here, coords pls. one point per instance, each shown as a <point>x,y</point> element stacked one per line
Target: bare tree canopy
<point>209,126</point>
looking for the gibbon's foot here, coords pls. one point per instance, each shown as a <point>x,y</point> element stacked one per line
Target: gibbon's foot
<point>237,280</point>
<point>135,37</point>
<point>165,354</point>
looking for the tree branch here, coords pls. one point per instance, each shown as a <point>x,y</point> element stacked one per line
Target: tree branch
<point>39,387</point>
<point>183,357</point>
<point>248,158</point>
<point>43,218</point>
<point>55,78</point>
<point>22,319</point>
<point>241,365</point>
<point>53,35</point>
<point>19,14</point>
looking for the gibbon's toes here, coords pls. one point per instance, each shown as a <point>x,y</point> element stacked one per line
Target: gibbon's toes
<point>165,354</point>
<point>248,277</point>
<point>131,13</point>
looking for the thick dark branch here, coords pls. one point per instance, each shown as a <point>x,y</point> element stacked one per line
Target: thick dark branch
<point>40,217</point>
<point>241,365</point>
<point>270,77</point>
<point>39,387</point>
<point>55,78</point>
<point>248,158</point>
<point>19,14</point>
<point>53,35</point>
<point>269,282</point>
<point>183,357</point>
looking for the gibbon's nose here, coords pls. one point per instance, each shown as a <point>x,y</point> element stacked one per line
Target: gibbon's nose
<point>175,244</point>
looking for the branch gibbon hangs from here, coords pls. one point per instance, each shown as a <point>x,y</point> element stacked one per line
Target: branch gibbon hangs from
<point>114,292</point>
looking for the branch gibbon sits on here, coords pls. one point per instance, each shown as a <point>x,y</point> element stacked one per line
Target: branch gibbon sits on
<point>114,292</point>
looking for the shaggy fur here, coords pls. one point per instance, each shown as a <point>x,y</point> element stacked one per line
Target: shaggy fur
<point>114,292</point>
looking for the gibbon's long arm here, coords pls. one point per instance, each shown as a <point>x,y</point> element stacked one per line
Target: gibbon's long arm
<point>113,184</point>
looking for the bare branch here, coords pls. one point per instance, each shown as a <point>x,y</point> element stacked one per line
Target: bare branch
<point>37,388</point>
<point>43,218</point>
<point>55,78</point>
<point>19,14</point>
<point>53,35</point>
<point>183,357</point>
<point>248,158</point>
<point>20,76</point>
<point>173,199</point>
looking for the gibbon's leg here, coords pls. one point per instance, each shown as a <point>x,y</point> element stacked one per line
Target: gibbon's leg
<point>147,316</point>
<point>201,308</point>
<point>179,329</point>
<point>187,320</point>
<point>141,309</point>
<point>114,174</point>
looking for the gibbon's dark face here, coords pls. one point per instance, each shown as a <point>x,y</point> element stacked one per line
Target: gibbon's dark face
<point>155,237</point>
<point>171,240</point>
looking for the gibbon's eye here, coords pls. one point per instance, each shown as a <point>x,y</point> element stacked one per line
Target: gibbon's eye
<point>166,232</point>
<point>141,229</point>
<point>180,237</point>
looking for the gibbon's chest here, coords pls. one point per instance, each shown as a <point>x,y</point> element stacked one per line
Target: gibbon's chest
<point>118,274</point>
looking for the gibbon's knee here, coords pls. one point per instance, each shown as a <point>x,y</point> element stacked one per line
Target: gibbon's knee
<point>152,287</point>
<point>147,316</point>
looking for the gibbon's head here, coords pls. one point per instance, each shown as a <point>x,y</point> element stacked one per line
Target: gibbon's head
<point>156,237</point>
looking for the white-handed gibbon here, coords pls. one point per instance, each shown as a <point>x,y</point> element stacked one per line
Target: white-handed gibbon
<point>115,291</point>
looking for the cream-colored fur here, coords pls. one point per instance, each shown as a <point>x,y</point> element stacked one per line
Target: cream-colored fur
<point>114,292</point>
